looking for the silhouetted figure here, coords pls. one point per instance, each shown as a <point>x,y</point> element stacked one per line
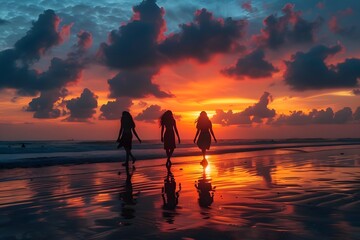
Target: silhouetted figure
<point>204,128</point>
<point>205,191</point>
<point>169,194</point>
<point>23,145</point>
<point>125,135</point>
<point>127,196</point>
<point>168,122</point>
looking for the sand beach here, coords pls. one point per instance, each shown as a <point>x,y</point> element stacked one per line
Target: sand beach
<point>289,193</point>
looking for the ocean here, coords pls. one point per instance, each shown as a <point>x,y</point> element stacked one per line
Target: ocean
<point>45,153</point>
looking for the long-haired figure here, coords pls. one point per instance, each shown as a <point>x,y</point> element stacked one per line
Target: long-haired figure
<point>204,128</point>
<point>168,123</point>
<point>125,135</point>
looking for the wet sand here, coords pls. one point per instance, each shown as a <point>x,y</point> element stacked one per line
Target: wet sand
<point>307,193</point>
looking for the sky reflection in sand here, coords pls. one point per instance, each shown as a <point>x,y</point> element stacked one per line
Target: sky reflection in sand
<point>301,195</point>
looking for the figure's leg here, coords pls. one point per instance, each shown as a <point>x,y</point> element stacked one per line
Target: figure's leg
<point>203,153</point>
<point>204,162</point>
<point>171,151</point>
<point>132,157</point>
<point>127,157</point>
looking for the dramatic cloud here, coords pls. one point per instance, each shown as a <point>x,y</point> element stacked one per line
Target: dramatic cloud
<point>82,108</point>
<point>309,71</point>
<point>43,35</point>
<point>357,114</point>
<point>356,92</point>
<point>141,42</point>
<point>150,114</point>
<point>289,28</point>
<point>260,109</point>
<point>83,44</point>
<point>15,71</point>
<point>229,118</point>
<point>343,116</point>
<point>203,37</point>
<point>255,113</point>
<point>3,21</point>
<point>135,84</point>
<point>252,65</point>
<point>134,44</point>
<point>351,31</point>
<point>247,6</point>
<point>113,109</point>
<point>43,106</point>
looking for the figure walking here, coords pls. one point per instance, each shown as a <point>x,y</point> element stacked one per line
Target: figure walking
<point>125,135</point>
<point>168,123</point>
<point>204,128</point>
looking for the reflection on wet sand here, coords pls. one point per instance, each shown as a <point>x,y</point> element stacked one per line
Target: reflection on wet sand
<point>170,196</point>
<point>127,196</point>
<point>288,196</point>
<point>168,192</point>
<point>204,188</point>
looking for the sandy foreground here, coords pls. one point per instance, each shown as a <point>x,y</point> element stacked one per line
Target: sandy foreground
<point>308,193</point>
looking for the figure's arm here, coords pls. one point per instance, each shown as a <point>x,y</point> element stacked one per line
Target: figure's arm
<point>212,133</point>
<point>134,131</point>
<point>196,135</point>
<point>176,131</point>
<point>162,133</point>
<point>120,132</point>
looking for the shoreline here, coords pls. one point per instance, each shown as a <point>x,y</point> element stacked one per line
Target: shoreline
<point>74,158</point>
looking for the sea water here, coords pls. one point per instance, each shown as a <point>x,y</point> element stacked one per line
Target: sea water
<point>44,153</point>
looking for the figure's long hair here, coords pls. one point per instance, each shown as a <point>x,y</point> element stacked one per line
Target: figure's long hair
<point>167,118</point>
<point>203,121</point>
<point>127,120</point>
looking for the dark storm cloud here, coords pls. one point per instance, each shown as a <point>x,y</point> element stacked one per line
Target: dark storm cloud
<point>150,114</point>
<point>3,21</point>
<point>229,118</point>
<point>43,106</point>
<point>15,71</point>
<point>61,72</point>
<point>343,116</point>
<point>135,84</point>
<point>141,41</point>
<point>348,32</point>
<point>134,44</point>
<point>113,109</point>
<point>43,35</point>
<point>247,6</point>
<point>357,114</point>
<point>342,24</point>
<point>83,44</point>
<point>260,109</point>
<point>356,92</point>
<point>309,70</point>
<point>82,108</point>
<point>15,75</point>
<point>255,113</point>
<point>203,37</point>
<point>140,45</point>
<point>286,29</point>
<point>252,65</point>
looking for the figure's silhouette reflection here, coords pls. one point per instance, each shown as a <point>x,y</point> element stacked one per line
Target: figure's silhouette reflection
<point>170,196</point>
<point>205,190</point>
<point>127,196</point>
<point>168,192</point>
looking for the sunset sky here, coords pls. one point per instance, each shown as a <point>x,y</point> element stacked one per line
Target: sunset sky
<point>260,69</point>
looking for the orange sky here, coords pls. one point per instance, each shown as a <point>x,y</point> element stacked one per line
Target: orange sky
<point>196,84</point>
